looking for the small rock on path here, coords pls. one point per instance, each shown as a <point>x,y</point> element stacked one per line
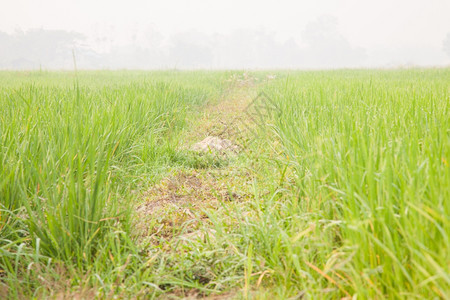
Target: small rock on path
<point>215,144</point>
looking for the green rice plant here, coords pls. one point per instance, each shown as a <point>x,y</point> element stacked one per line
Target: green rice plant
<point>70,154</point>
<point>345,187</point>
<point>368,152</point>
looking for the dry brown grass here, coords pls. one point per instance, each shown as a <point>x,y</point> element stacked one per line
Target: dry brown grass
<point>219,119</point>
<point>180,200</point>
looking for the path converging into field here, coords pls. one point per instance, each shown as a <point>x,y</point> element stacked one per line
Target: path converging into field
<point>225,185</point>
<point>212,179</point>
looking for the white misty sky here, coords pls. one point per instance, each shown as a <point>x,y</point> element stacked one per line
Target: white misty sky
<point>378,26</point>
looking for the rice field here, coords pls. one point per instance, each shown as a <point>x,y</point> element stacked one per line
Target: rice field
<point>341,192</point>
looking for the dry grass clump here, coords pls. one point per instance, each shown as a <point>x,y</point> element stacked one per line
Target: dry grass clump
<point>180,201</point>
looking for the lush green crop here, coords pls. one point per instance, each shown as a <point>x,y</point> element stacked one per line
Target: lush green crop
<point>343,191</point>
<point>71,149</point>
<point>369,153</point>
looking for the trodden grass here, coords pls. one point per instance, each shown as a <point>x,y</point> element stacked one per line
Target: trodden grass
<point>340,191</point>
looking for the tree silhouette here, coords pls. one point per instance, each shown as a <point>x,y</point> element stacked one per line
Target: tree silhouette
<point>37,47</point>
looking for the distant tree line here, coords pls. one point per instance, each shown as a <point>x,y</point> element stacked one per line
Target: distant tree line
<point>322,46</point>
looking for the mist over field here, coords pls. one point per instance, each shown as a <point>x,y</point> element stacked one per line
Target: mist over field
<point>250,35</point>
<point>322,47</point>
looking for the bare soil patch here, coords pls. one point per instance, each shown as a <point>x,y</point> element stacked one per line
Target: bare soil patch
<point>179,201</point>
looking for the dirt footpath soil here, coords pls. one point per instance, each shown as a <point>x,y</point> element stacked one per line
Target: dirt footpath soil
<point>179,200</point>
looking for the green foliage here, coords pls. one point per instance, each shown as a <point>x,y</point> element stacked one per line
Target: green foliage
<point>70,153</point>
<point>343,191</point>
<point>368,153</point>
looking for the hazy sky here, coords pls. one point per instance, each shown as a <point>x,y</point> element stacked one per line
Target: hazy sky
<point>384,27</point>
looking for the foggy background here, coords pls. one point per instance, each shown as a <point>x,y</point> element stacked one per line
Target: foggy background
<point>177,34</point>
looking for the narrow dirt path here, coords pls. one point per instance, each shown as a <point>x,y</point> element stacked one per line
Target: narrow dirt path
<point>205,180</point>
<point>180,214</point>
